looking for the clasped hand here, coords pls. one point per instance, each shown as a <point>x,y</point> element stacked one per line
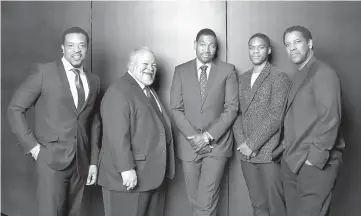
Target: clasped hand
<point>199,143</point>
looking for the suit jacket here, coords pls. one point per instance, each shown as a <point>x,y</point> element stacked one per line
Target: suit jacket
<point>261,110</point>
<point>313,117</point>
<point>214,114</point>
<point>61,130</point>
<point>134,137</point>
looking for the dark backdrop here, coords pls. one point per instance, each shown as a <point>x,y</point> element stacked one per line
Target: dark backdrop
<point>30,32</point>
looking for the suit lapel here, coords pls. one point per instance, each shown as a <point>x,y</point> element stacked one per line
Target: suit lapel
<point>91,89</point>
<point>192,81</point>
<point>260,79</point>
<point>66,87</point>
<point>137,89</point>
<point>245,90</point>
<point>298,81</point>
<point>163,117</point>
<point>166,117</point>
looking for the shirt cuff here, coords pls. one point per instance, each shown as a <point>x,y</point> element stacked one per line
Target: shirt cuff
<point>36,148</point>
<point>209,136</point>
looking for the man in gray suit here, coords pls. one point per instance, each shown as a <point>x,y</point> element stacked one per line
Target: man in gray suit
<point>312,142</point>
<point>64,141</point>
<point>204,103</point>
<point>262,94</point>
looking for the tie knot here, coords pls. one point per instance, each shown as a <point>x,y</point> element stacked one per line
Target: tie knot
<point>204,68</point>
<point>76,71</point>
<point>147,91</point>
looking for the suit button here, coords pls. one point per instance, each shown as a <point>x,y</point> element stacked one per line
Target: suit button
<point>74,137</point>
<point>164,150</point>
<point>161,134</point>
<point>201,111</point>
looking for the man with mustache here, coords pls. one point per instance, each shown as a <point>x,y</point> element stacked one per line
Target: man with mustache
<point>137,153</point>
<point>204,103</point>
<point>262,94</point>
<point>312,142</point>
<point>66,136</point>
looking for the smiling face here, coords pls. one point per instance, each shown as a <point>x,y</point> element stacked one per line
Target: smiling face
<point>75,48</point>
<point>297,47</point>
<point>144,67</point>
<point>206,48</point>
<point>258,51</point>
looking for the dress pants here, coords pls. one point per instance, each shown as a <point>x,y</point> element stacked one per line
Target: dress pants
<point>308,192</point>
<point>203,177</point>
<point>264,184</point>
<point>145,203</point>
<point>60,193</point>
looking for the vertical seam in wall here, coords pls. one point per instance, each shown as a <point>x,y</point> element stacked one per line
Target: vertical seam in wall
<point>91,36</point>
<point>226,32</point>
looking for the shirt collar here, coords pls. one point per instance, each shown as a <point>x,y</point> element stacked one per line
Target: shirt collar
<point>307,60</point>
<point>69,67</point>
<point>142,86</point>
<point>200,64</point>
<point>265,68</point>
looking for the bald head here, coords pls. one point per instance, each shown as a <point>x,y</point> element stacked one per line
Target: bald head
<point>142,65</point>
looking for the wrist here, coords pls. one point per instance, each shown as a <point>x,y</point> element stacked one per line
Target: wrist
<point>210,138</point>
<point>206,138</point>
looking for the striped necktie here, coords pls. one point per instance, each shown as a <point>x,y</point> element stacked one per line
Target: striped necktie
<point>203,81</point>
<point>79,88</point>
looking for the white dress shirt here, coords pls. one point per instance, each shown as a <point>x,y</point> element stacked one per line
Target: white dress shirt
<point>254,77</point>
<point>142,86</point>
<point>199,70</point>
<point>71,79</point>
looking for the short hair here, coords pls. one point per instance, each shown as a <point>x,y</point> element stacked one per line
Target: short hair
<point>303,30</point>
<point>135,53</point>
<point>263,37</point>
<point>76,30</point>
<point>206,31</point>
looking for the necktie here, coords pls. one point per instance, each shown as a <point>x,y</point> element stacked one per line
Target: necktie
<point>203,81</point>
<point>151,98</point>
<point>79,88</point>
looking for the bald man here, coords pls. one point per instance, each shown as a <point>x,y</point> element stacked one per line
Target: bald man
<point>137,153</point>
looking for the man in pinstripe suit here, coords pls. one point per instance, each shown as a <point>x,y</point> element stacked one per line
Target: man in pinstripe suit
<point>262,94</point>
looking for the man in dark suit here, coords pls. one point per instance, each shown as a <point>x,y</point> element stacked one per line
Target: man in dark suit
<point>262,94</point>
<point>312,141</point>
<point>137,153</point>
<point>204,103</point>
<point>65,140</point>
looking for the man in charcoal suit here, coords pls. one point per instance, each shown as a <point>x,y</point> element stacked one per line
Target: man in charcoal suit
<point>64,142</point>
<point>312,141</point>
<point>204,103</point>
<point>137,155</point>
